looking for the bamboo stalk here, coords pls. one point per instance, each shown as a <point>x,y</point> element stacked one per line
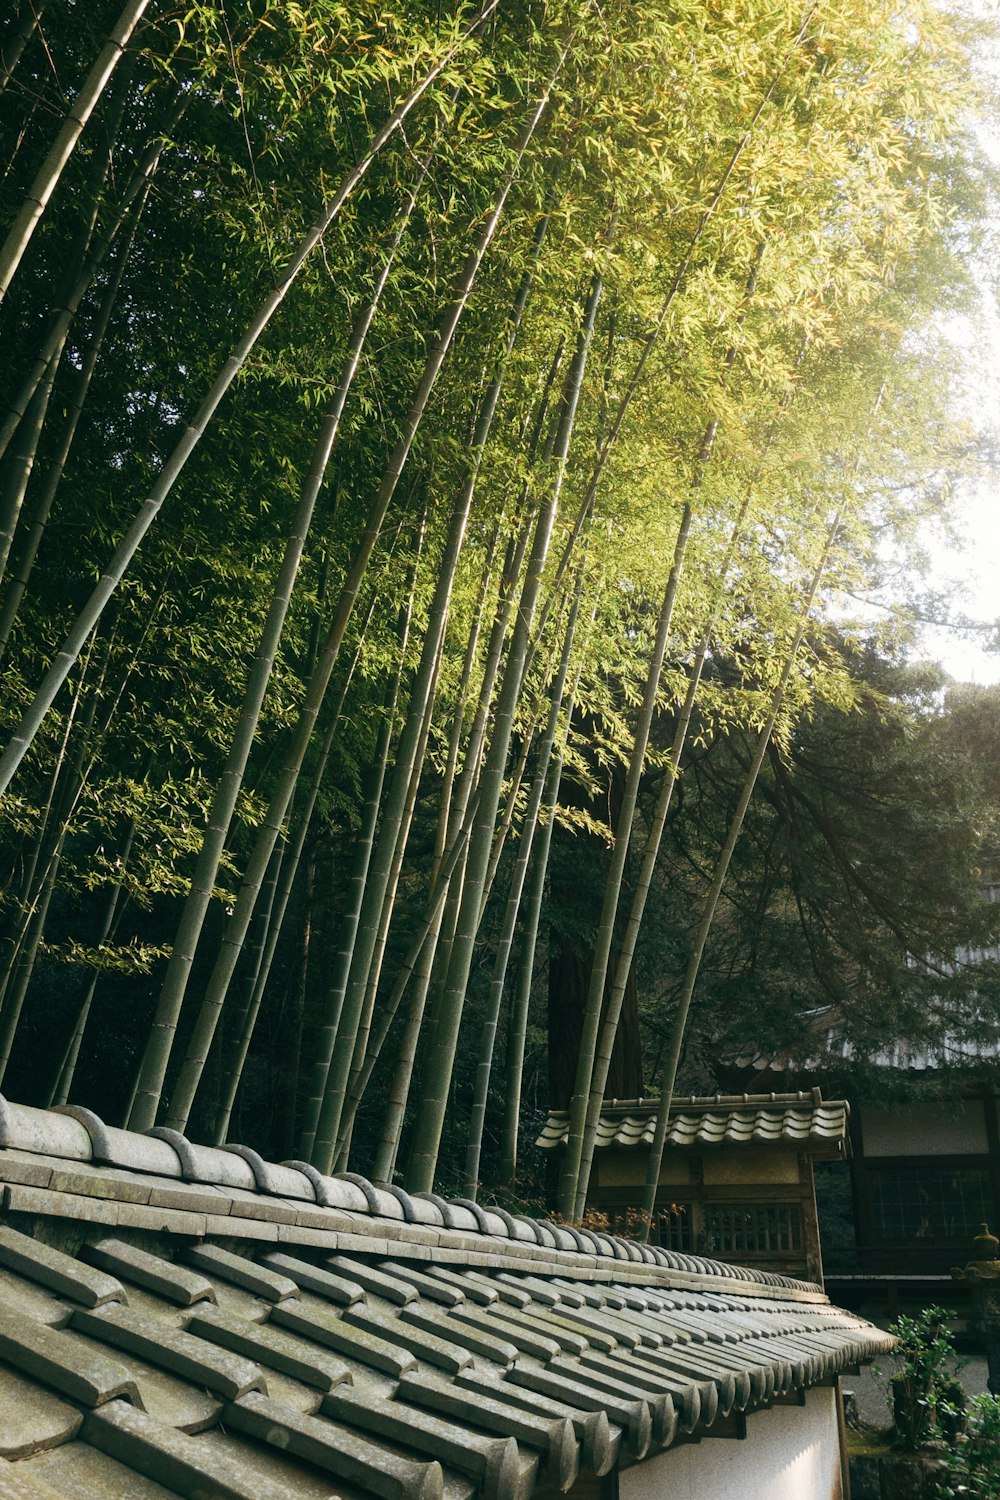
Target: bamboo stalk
<point>429,1126</point>
<point>505,944</point>
<point>48,175</point>
<point>153,1069</point>
<point>128,546</point>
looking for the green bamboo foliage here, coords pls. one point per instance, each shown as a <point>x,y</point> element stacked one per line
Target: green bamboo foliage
<point>427,1138</point>
<point>312,274</point>
<point>145,516</point>
<point>224,802</point>
<point>47,179</point>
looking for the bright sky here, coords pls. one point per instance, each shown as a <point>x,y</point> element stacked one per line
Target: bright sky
<point>975,565</point>
<point>976,568</point>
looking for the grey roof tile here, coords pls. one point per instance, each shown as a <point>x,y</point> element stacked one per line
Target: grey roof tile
<point>481,1326</point>
<point>575,1387</point>
<point>276,1180</point>
<point>173,1458</point>
<point>33,1300</point>
<point>275,1348</point>
<point>16,1483</point>
<point>298,1481</point>
<point>61,1273</point>
<point>173,1349</point>
<point>446,1354</point>
<point>428,1286</point>
<point>500,1472</point>
<point>476,1291</point>
<point>335,1288</point>
<point>262,1281</point>
<point>599,1441</point>
<point>382,1283</point>
<point>208,1164</point>
<point>341,1452</point>
<point>308,1316</point>
<point>24,1167</point>
<point>524,1337</point>
<point>434,1319</point>
<point>33,1420</point>
<point>93,1181</point>
<point>55,1358</point>
<point>75,1471</point>
<point>800,1119</point>
<point>154,1272</point>
<point>43,1132</point>
<point>177,1402</point>
<point>552,1436</point>
<point>124,1148</point>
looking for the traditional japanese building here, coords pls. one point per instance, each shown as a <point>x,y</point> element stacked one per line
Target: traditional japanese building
<point>736,1179</point>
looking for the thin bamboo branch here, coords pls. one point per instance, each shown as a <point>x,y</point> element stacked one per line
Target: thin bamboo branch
<point>153,1070</point>
<point>175,464</point>
<point>48,175</point>
<point>711,901</point>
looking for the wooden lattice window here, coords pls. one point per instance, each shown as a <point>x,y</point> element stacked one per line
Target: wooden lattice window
<point>929,1201</point>
<point>734,1229</point>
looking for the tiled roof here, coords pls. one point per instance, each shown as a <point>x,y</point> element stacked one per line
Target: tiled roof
<point>830,1046</point>
<point>176,1320</point>
<point>723,1120</point>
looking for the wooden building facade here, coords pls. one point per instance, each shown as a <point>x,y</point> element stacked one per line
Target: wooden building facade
<point>736,1180</point>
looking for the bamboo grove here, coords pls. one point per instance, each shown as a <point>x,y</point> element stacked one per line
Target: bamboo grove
<point>409,414</point>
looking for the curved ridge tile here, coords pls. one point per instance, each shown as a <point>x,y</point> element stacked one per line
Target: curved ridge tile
<point>206,1164</point>
<point>509,1222</point>
<point>275,1180</point>
<point>378,1201</point>
<point>443,1207</point>
<point>124,1148</point>
<point>332,1192</point>
<point>43,1131</point>
<point>470,1206</point>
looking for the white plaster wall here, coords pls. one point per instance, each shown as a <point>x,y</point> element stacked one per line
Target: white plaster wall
<point>790,1453</point>
<point>930,1129</point>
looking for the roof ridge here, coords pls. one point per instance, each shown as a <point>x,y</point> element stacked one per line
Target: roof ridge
<point>645,1103</point>
<point>72,1135</point>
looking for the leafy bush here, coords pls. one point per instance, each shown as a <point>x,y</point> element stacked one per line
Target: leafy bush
<point>973,1464</point>
<point>927,1399</point>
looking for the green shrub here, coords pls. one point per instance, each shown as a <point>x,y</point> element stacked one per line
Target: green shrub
<point>973,1464</point>
<point>925,1395</point>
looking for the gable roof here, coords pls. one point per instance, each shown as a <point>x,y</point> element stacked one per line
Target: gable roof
<point>802,1119</point>
<point>177,1319</point>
